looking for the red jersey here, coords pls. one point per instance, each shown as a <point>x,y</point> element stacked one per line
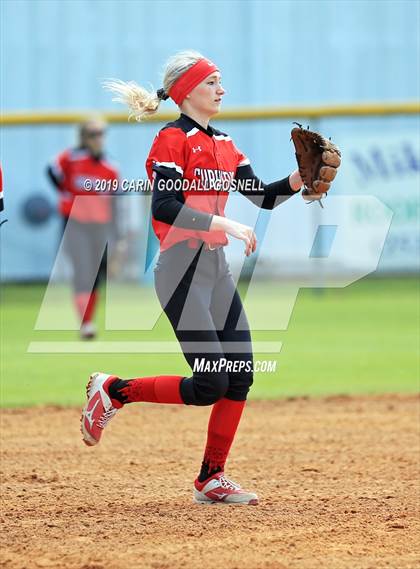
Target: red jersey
<point>207,160</point>
<point>78,173</point>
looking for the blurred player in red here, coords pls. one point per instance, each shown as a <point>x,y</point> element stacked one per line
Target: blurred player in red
<point>85,178</point>
<point>192,278</point>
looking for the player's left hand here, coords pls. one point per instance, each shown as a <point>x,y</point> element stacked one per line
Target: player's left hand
<point>318,161</point>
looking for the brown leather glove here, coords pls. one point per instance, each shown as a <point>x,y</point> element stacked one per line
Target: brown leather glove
<point>318,160</point>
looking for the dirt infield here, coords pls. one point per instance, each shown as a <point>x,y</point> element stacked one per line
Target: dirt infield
<point>337,480</point>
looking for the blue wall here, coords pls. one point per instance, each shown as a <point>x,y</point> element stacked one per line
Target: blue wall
<point>55,54</point>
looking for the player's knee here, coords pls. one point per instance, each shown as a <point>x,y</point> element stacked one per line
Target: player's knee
<point>249,380</point>
<point>204,389</point>
<point>239,386</point>
<point>216,390</point>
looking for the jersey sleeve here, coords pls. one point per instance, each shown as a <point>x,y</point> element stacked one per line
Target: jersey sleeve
<point>57,170</point>
<point>242,159</point>
<point>166,162</point>
<point>167,155</point>
<point>168,206</point>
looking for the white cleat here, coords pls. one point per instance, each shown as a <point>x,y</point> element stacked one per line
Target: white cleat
<point>99,408</point>
<point>88,331</point>
<point>221,490</point>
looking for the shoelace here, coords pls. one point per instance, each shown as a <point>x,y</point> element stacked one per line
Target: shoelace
<point>228,484</point>
<point>103,420</point>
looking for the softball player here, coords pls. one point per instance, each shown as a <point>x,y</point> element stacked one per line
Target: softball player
<point>192,278</point>
<point>88,222</point>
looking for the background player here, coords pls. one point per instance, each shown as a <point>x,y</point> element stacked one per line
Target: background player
<point>90,220</point>
<point>192,278</point>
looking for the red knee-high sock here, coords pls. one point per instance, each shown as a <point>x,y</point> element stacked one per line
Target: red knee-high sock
<point>91,305</point>
<point>159,389</point>
<point>223,423</point>
<point>85,304</point>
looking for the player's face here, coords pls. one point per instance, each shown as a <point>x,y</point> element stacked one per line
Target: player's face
<point>207,96</point>
<point>94,137</point>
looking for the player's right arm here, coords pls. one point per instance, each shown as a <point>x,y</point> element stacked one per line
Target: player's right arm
<point>165,165</point>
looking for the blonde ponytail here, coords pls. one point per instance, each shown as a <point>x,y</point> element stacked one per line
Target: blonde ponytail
<point>140,101</point>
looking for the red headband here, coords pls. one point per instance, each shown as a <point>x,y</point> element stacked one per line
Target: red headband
<point>190,79</point>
